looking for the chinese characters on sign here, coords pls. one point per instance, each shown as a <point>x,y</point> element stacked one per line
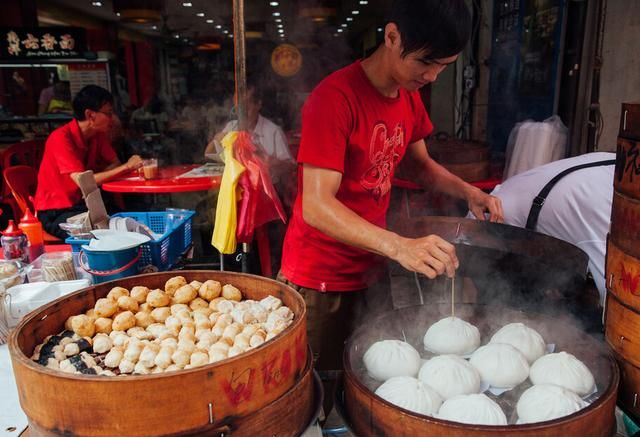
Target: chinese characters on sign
<point>42,42</point>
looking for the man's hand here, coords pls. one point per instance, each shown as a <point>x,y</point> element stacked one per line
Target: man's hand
<point>430,255</point>
<point>480,202</point>
<point>134,163</point>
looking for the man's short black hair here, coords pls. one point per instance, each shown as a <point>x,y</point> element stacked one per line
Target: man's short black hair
<point>90,97</point>
<point>441,27</point>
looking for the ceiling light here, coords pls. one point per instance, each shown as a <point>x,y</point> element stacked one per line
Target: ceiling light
<point>186,40</point>
<point>356,12</point>
<point>273,3</point>
<point>281,30</point>
<point>154,27</point>
<point>339,30</point>
<point>379,29</point>
<point>335,34</point>
<point>364,2</point>
<point>200,14</point>
<point>209,21</point>
<point>349,18</point>
<point>187,4</point>
<point>278,20</point>
<point>280,26</point>
<point>98,4</point>
<point>218,26</point>
<point>230,35</point>
<point>177,36</point>
<point>117,14</point>
<point>344,25</point>
<point>276,14</point>
<point>225,31</point>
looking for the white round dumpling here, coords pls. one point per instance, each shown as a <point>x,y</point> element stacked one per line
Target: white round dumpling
<point>500,365</point>
<point>450,376</point>
<point>565,370</point>
<point>452,335</point>
<point>411,394</point>
<point>523,338</point>
<point>475,409</point>
<point>547,402</point>
<point>388,358</point>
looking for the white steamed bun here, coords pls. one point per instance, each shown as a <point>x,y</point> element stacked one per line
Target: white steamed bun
<point>411,394</point>
<point>388,358</point>
<point>475,409</point>
<point>565,370</point>
<point>452,335</point>
<point>500,365</point>
<point>523,338</point>
<point>450,376</point>
<point>547,402</point>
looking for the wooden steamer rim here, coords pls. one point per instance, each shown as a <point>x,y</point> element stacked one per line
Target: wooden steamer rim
<point>627,175</point>
<point>369,415</point>
<point>56,402</point>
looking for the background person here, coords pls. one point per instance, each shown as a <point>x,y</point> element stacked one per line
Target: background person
<point>82,144</point>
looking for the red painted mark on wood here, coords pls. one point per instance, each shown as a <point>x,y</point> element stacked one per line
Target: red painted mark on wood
<point>301,351</point>
<point>629,281</point>
<point>270,374</point>
<point>285,366</point>
<point>240,387</point>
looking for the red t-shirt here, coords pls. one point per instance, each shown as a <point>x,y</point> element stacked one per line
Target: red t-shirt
<point>350,127</point>
<point>66,152</point>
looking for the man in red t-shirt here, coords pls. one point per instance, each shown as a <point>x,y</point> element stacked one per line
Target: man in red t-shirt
<point>358,125</point>
<point>80,145</point>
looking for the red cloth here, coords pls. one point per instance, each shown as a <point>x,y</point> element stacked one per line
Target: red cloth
<point>259,203</point>
<point>348,126</point>
<point>67,152</point>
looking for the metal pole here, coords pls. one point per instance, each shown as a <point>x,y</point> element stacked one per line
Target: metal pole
<point>240,73</point>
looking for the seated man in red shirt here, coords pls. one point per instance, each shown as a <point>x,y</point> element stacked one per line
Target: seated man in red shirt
<point>80,145</point>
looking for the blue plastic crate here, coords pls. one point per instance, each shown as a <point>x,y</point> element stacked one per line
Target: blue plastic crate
<point>165,251</point>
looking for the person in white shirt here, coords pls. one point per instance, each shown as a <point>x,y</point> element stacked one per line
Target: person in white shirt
<point>267,136</point>
<point>576,210</point>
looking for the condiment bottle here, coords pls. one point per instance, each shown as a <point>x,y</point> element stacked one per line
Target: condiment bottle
<point>14,242</point>
<point>32,228</point>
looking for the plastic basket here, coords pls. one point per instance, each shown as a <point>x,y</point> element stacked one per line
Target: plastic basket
<point>165,251</point>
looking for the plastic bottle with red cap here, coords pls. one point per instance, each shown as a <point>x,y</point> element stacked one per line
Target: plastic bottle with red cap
<point>14,242</point>
<point>32,228</point>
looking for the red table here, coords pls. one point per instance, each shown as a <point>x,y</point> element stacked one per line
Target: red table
<point>167,182</point>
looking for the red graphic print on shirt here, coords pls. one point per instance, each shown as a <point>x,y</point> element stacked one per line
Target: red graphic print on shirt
<point>384,155</point>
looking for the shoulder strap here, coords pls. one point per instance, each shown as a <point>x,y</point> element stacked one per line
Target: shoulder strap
<point>538,201</point>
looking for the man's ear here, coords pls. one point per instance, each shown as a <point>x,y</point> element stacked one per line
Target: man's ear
<point>392,36</point>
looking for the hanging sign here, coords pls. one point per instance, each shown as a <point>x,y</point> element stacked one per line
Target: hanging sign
<point>286,60</point>
<point>42,42</point>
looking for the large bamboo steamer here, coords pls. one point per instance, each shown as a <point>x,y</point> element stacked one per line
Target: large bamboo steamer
<point>630,121</point>
<point>628,393</point>
<point>369,415</point>
<point>625,224</point>
<point>622,274</point>
<point>236,395</point>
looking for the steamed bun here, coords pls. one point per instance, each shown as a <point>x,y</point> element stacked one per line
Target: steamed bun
<point>450,376</point>
<point>547,402</point>
<point>475,409</point>
<point>411,394</point>
<point>523,338</point>
<point>452,335</point>
<point>388,358</point>
<point>500,365</point>
<point>565,370</point>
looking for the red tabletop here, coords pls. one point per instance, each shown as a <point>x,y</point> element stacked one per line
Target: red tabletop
<point>167,182</point>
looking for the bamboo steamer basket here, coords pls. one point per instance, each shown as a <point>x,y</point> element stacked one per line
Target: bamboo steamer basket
<point>622,329</point>
<point>625,224</point>
<point>370,415</point>
<point>629,395</point>
<point>622,273</point>
<point>268,388</point>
